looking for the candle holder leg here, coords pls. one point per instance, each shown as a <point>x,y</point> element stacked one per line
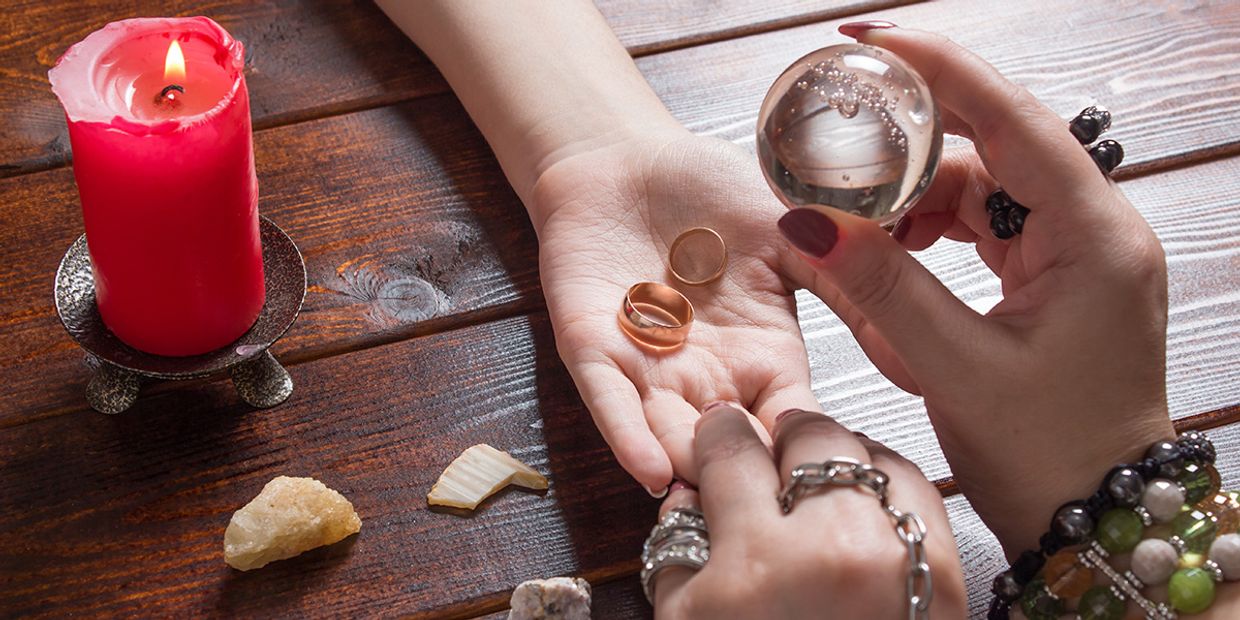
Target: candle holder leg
<point>262,382</point>
<point>112,389</point>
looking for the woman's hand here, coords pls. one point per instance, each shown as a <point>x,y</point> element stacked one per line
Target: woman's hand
<point>836,554</point>
<point>1036,400</point>
<point>606,219</point>
<point>610,179</point>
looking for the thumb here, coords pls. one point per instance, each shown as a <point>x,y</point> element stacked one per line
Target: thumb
<point>872,283</point>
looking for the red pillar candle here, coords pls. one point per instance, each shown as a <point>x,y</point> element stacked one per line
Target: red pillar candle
<point>159,120</point>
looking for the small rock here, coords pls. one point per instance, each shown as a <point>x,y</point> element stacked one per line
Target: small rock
<point>290,516</point>
<point>558,598</point>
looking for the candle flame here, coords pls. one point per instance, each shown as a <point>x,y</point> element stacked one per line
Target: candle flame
<point>174,64</point>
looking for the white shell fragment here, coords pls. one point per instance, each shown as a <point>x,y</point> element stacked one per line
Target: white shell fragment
<point>558,598</point>
<point>479,472</point>
<point>288,517</point>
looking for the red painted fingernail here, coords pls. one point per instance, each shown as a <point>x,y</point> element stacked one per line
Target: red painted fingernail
<point>809,231</point>
<point>856,29</point>
<point>902,227</point>
<point>677,485</point>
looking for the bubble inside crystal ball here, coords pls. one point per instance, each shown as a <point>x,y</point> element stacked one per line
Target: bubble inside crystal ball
<point>851,127</point>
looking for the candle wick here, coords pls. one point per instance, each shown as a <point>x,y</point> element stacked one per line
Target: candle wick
<point>167,97</point>
<point>169,88</point>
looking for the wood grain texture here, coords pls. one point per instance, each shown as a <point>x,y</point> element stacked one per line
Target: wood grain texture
<point>124,515</point>
<point>1166,72</point>
<point>619,599</point>
<point>646,26</point>
<point>403,216</point>
<point>305,59</point>
<point>308,59</point>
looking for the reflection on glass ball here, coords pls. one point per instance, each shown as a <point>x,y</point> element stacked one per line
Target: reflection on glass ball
<point>851,127</point>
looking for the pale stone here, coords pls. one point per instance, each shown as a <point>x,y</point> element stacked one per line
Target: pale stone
<point>289,516</point>
<point>558,598</point>
<point>1153,561</point>
<point>1163,499</point>
<point>478,472</point>
<point>1225,551</point>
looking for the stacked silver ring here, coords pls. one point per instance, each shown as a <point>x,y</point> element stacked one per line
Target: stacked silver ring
<point>680,538</point>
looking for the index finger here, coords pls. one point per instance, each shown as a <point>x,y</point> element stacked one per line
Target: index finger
<point>1022,143</point>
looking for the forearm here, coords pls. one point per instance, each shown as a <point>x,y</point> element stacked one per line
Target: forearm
<point>542,80</point>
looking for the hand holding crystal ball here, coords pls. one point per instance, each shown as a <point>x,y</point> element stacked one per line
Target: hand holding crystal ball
<point>851,127</point>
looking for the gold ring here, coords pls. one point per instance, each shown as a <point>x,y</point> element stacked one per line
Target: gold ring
<point>698,256</point>
<point>656,315</point>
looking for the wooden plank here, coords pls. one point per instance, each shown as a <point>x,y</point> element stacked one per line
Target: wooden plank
<point>310,59</point>
<point>403,216</point>
<point>304,60</point>
<point>647,26</point>
<point>1166,74</point>
<point>124,515</point>
<point>621,599</point>
<point>358,60</point>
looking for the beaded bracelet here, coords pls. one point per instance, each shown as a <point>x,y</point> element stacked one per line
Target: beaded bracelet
<point>1175,485</point>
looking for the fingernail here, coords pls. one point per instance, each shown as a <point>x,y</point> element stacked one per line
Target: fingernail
<point>720,404</point>
<point>856,29</point>
<point>861,435</point>
<point>809,231</point>
<point>902,227</point>
<point>785,414</point>
<point>662,493</point>
<point>678,485</point>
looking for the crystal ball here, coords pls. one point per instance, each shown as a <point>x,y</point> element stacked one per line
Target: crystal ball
<point>851,127</point>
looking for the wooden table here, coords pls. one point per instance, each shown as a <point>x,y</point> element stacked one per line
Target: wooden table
<point>424,329</point>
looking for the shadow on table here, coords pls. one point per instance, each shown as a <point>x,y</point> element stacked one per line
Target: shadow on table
<point>281,585</point>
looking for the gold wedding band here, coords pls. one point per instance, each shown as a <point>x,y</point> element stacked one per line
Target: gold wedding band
<point>698,256</point>
<point>656,315</point>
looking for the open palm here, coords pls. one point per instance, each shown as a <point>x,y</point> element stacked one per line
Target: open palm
<point>611,216</point>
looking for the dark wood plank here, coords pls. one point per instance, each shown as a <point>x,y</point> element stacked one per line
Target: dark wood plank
<point>308,59</point>
<point>124,515</point>
<point>404,218</point>
<point>647,26</point>
<point>305,59</point>
<point>620,599</point>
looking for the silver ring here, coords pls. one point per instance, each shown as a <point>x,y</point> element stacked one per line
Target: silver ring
<point>690,556</point>
<point>680,538</point>
<point>676,519</point>
<point>839,471</point>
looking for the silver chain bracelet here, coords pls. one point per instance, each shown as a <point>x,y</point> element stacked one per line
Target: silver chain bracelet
<point>846,472</point>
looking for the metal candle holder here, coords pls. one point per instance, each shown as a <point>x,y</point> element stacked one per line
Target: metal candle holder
<point>260,380</point>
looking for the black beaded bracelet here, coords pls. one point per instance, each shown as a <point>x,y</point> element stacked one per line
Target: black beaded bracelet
<point>1074,522</point>
<point>1007,217</point>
